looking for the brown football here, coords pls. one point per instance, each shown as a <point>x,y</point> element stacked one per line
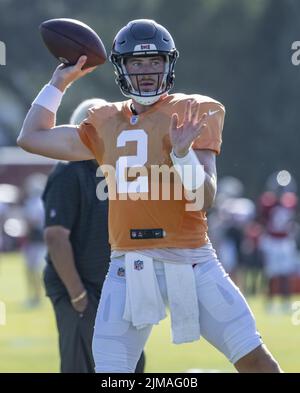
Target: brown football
<point>68,39</point>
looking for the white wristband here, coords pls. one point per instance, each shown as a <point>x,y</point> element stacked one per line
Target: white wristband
<point>190,170</point>
<point>49,97</point>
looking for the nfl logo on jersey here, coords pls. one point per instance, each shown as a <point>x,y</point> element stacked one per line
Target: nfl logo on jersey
<point>134,119</point>
<point>138,265</point>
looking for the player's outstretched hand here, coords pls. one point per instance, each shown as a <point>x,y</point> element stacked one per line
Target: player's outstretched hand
<point>64,75</point>
<point>183,136</point>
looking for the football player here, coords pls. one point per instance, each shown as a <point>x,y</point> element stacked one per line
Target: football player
<point>278,209</point>
<point>160,248</point>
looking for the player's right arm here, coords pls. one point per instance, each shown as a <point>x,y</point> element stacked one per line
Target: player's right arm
<point>39,134</point>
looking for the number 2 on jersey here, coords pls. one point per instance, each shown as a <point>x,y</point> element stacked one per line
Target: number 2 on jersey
<point>137,161</point>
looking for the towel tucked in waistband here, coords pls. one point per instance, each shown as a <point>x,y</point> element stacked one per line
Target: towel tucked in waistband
<point>144,304</point>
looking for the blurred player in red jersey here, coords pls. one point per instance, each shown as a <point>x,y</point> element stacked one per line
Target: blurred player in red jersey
<point>160,248</point>
<point>278,244</point>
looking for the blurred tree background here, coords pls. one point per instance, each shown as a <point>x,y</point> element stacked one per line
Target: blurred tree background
<point>237,51</point>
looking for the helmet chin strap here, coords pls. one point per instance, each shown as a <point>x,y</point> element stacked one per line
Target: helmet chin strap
<point>145,100</point>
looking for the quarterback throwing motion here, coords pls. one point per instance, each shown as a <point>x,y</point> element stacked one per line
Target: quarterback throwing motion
<point>161,253</point>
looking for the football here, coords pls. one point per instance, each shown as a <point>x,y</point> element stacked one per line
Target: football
<point>68,39</point>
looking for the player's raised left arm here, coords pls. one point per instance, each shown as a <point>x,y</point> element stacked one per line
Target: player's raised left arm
<point>208,159</point>
<point>182,138</point>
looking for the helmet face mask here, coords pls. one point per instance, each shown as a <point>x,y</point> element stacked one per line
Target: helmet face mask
<point>143,38</point>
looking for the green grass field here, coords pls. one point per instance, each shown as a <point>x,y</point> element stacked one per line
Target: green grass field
<point>28,340</point>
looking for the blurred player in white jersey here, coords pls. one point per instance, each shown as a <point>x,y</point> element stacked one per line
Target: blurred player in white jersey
<point>34,249</point>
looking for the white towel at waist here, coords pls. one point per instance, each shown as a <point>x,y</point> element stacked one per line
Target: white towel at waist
<point>144,305</point>
<point>183,302</point>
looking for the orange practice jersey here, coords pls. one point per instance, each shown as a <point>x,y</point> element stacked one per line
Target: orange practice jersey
<point>121,140</point>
